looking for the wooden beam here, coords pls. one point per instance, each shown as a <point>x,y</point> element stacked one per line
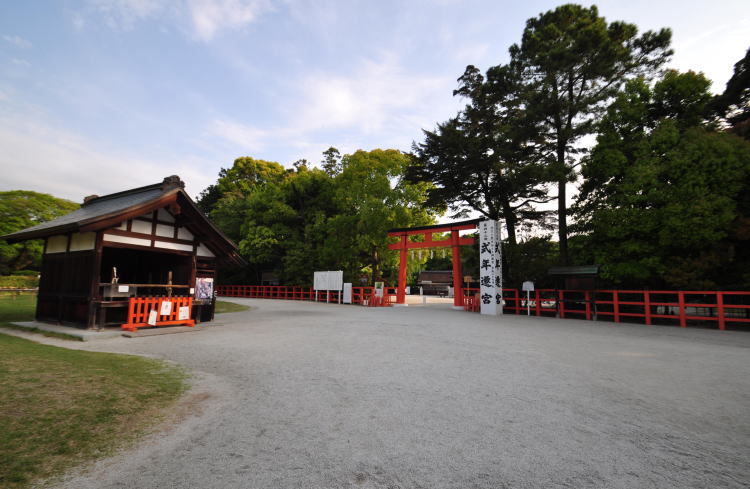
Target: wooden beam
<point>445,243</point>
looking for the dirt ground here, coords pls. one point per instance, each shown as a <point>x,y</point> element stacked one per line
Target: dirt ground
<point>303,395</point>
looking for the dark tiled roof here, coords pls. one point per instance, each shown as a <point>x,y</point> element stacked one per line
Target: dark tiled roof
<point>574,270</point>
<point>93,210</point>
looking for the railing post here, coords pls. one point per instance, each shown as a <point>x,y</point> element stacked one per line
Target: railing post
<point>681,303</point>
<point>561,303</point>
<point>587,300</point>
<point>647,305</point>
<point>720,310</point>
<point>616,305</point>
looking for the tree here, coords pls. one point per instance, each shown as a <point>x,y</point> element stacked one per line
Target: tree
<point>373,196</point>
<point>664,200</point>
<point>225,200</point>
<point>482,158</point>
<point>733,106</point>
<point>20,209</point>
<point>573,62</point>
<point>296,221</point>
<point>331,161</point>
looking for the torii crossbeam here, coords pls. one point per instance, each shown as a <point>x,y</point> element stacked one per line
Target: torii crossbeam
<point>404,245</point>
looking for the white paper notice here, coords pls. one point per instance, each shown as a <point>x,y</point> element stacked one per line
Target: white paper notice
<point>166,308</point>
<point>122,288</point>
<point>184,313</point>
<point>151,318</point>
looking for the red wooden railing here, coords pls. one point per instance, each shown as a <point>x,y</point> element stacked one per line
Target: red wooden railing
<point>681,307</point>
<point>139,309</point>
<point>360,295</point>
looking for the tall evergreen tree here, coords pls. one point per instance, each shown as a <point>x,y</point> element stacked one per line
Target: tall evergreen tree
<point>572,62</point>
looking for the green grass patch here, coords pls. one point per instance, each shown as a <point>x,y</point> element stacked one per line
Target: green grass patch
<point>224,306</point>
<point>17,307</point>
<point>19,281</point>
<point>21,307</point>
<point>61,407</point>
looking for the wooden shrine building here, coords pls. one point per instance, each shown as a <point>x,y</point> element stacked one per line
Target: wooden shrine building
<point>148,241</point>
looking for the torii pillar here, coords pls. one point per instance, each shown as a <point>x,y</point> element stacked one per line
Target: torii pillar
<point>404,245</point>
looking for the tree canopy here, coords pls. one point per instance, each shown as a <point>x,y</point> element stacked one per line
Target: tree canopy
<point>296,221</point>
<point>20,209</point>
<point>572,62</point>
<point>482,159</point>
<point>664,198</point>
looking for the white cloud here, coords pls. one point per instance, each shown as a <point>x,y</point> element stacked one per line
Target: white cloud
<point>247,137</point>
<point>203,19</point>
<point>44,158</point>
<point>20,62</point>
<point>17,41</point>
<point>211,16</point>
<point>374,98</point>
<point>125,13</point>
<point>379,104</point>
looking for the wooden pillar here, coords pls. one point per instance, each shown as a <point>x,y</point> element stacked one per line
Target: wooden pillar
<point>401,291</point>
<point>458,291</point>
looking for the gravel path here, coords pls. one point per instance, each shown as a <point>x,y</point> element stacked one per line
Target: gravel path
<point>304,395</point>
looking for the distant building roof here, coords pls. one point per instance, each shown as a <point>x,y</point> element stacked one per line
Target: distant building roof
<point>107,211</point>
<point>575,270</point>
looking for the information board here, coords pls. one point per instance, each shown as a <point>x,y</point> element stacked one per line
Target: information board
<point>329,280</point>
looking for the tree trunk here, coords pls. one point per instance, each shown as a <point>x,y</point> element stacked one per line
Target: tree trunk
<point>562,221</point>
<point>510,224</point>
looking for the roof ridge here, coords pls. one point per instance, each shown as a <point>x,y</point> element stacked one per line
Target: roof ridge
<point>121,194</point>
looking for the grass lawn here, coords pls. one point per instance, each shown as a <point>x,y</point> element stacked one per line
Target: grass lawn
<point>223,306</point>
<point>61,407</point>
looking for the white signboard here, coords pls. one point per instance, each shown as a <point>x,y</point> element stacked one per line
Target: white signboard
<point>528,287</point>
<point>490,269</point>
<point>347,293</point>
<point>122,288</point>
<point>151,318</point>
<point>328,280</point>
<point>166,308</point>
<point>184,313</point>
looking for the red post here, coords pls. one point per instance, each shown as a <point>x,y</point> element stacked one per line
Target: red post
<point>458,291</point>
<point>720,310</point>
<point>561,304</point>
<point>616,305</point>
<point>401,291</point>
<point>587,299</point>
<point>681,302</point>
<point>647,305</point>
<point>537,303</point>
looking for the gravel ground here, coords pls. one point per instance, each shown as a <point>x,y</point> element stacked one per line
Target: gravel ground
<point>302,395</point>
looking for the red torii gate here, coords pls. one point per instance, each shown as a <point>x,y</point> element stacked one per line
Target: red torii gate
<point>404,245</point>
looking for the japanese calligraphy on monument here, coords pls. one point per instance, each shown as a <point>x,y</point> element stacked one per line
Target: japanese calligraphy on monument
<point>490,268</point>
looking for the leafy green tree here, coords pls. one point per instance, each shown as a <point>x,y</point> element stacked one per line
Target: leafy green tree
<point>20,209</point>
<point>373,196</point>
<point>482,159</point>
<point>733,106</point>
<point>225,201</point>
<point>331,161</point>
<point>572,62</point>
<point>296,221</point>
<point>662,200</point>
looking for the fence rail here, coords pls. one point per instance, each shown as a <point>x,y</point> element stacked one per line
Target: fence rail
<point>680,307</point>
<point>360,295</point>
<point>723,308</point>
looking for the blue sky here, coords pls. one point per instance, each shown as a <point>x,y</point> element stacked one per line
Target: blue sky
<point>98,96</point>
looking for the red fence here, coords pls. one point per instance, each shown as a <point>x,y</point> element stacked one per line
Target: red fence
<point>360,295</point>
<point>141,309</point>
<point>647,306</point>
